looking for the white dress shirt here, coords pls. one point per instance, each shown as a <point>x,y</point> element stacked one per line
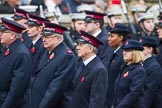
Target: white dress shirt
<point>89,60</point>
<point>97,33</point>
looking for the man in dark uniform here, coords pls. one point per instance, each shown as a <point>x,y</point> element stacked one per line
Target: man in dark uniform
<point>15,65</point>
<point>116,38</point>
<point>55,71</point>
<point>91,83</point>
<point>8,6</point>
<point>94,23</point>
<point>35,27</point>
<point>113,16</point>
<point>147,25</point>
<point>21,17</point>
<point>77,24</point>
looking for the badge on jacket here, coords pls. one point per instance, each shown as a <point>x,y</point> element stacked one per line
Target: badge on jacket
<point>125,75</point>
<point>82,79</point>
<point>52,55</point>
<point>7,52</point>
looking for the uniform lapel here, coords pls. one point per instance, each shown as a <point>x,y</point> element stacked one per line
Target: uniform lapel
<point>86,70</point>
<point>46,58</point>
<point>11,48</point>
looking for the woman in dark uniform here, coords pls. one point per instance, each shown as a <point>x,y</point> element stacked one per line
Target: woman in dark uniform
<point>130,83</point>
<point>153,71</point>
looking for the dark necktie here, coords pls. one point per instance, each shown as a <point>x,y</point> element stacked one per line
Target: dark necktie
<point>80,68</point>
<point>7,51</point>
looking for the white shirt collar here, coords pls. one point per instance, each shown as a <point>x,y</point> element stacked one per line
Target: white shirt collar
<point>89,60</point>
<point>97,33</point>
<point>34,41</point>
<point>148,56</point>
<point>116,49</point>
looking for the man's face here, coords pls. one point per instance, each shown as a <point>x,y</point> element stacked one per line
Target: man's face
<point>58,2</point>
<point>33,31</point>
<point>83,50</point>
<point>13,3</point>
<point>78,25</point>
<point>160,32</point>
<point>113,20</point>
<point>5,37</point>
<point>91,27</point>
<point>148,25</point>
<point>114,40</point>
<point>50,42</point>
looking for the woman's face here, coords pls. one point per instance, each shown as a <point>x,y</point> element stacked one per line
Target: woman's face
<point>128,55</point>
<point>147,50</point>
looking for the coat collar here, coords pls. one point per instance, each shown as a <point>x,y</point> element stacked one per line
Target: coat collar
<point>132,66</point>
<point>46,58</point>
<point>148,61</point>
<point>11,47</point>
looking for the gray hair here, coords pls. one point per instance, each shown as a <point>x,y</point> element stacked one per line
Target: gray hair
<point>95,50</point>
<point>18,35</point>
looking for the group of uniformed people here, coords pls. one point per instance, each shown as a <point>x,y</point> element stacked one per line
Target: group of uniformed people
<point>90,67</point>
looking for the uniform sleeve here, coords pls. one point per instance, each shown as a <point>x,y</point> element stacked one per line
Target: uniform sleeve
<point>21,75</point>
<point>98,90</point>
<point>136,87</point>
<point>152,84</point>
<point>58,85</point>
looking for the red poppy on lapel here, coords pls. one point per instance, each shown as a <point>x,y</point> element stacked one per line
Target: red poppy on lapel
<point>51,56</point>
<point>32,49</point>
<point>65,9</point>
<point>125,75</point>
<point>113,60</point>
<point>7,52</point>
<point>69,51</point>
<point>82,79</point>
<point>140,40</point>
<point>22,39</point>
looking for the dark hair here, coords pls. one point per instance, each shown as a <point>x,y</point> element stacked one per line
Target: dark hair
<point>101,22</point>
<point>155,51</point>
<point>125,37</point>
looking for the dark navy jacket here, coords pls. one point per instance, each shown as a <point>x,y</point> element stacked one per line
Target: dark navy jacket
<point>26,39</point>
<point>90,86</point>
<point>15,72</point>
<point>159,56</point>
<point>129,86</point>
<point>50,87</point>
<point>154,75</point>
<point>37,55</point>
<point>114,68</point>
